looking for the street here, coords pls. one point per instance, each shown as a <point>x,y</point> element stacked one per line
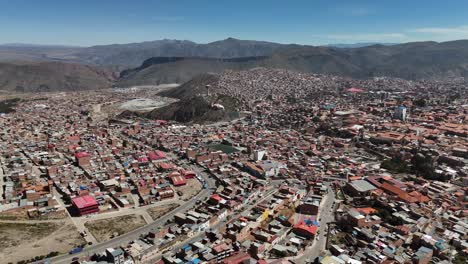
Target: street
<point>326,215</point>
<point>135,234</point>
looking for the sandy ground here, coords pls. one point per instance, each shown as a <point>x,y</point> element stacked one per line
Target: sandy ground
<point>157,212</point>
<point>104,229</point>
<point>189,190</point>
<point>23,215</point>
<point>145,104</point>
<point>23,241</point>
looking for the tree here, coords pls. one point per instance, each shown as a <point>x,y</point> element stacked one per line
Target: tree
<point>395,164</point>
<point>424,165</point>
<point>421,102</point>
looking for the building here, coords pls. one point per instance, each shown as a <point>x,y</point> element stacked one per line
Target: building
<point>305,229</point>
<point>157,155</point>
<point>178,180</point>
<point>82,158</point>
<point>115,255</point>
<point>85,205</point>
<point>400,113</point>
<point>359,188</point>
<point>259,154</point>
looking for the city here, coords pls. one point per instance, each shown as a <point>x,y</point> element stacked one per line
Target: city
<point>233,132</point>
<point>284,181</point>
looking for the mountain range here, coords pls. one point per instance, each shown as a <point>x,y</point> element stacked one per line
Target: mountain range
<point>52,76</point>
<point>418,60</point>
<point>169,61</point>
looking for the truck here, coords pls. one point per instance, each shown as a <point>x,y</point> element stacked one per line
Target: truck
<point>76,250</point>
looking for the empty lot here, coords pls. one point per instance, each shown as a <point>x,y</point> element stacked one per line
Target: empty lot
<point>105,229</point>
<point>23,241</point>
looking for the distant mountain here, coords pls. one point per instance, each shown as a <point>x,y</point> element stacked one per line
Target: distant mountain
<point>28,45</point>
<point>30,52</point>
<point>132,55</point>
<point>358,45</point>
<point>418,60</point>
<point>52,76</point>
<point>169,61</point>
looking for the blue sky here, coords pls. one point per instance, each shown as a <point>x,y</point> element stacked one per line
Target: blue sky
<point>314,22</point>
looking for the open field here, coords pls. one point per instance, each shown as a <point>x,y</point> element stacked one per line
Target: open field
<point>189,190</point>
<point>24,241</point>
<point>105,229</point>
<point>157,212</point>
<point>145,104</point>
<point>23,215</point>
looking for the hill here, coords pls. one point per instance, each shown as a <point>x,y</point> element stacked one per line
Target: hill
<point>418,60</point>
<point>28,52</point>
<point>133,54</point>
<point>52,76</point>
<point>181,69</point>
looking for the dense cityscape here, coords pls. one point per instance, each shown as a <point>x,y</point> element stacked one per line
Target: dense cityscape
<point>233,132</point>
<point>315,168</point>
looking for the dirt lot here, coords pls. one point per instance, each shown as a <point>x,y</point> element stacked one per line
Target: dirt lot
<point>104,229</point>
<point>24,241</point>
<point>23,215</point>
<point>189,190</point>
<point>157,212</point>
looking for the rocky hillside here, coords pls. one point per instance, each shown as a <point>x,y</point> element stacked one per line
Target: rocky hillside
<point>52,76</point>
<point>420,60</point>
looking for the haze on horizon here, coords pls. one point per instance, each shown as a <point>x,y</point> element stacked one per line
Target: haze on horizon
<point>87,22</point>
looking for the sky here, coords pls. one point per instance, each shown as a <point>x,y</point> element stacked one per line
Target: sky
<point>311,22</point>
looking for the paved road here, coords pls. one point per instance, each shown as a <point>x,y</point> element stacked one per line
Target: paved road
<point>326,214</point>
<point>135,234</point>
<point>216,227</point>
<point>1,179</point>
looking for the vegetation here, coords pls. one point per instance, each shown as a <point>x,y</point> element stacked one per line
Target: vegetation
<point>386,214</point>
<point>424,165</point>
<point>396,164</point>
<point>7,106</point>
<point>461,258</point>
<point>224,148</point>
<point>420,102</point>
<point>41,257</point>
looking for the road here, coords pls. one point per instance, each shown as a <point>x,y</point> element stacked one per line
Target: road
<point>326,215</point>
<point>199,236</point>
<point>135,234</point>
<point>1,179</point>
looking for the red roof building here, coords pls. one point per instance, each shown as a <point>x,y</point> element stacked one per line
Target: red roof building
<point>238,258</point>
<point>178,180</point>
<point>156,155</point>
<point>188,174</point>
<point>215,198</point>
<point>81,154</point>
<point>82,158</point>
<point>85,205</point>
<point>355,90</point>
<point>302,229</point>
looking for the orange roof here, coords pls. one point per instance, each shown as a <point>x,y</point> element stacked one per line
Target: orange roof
<point>366,210</point>
<point>398,192</point>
